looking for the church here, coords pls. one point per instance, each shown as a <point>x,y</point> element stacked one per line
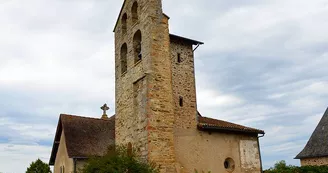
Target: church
<point>155,107</point>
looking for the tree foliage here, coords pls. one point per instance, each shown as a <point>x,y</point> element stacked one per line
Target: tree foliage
<point>282,167</point>
<point>118,160</point>
<point>38,167</point>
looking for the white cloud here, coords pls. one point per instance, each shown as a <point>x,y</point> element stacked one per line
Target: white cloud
<point>16,158</point>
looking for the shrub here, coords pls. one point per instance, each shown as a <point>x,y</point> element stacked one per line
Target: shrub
<point>118,160</point>
<point>281,167</point>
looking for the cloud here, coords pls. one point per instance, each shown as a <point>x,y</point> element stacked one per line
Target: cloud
<point>263,65</point>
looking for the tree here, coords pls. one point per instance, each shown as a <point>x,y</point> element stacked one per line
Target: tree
<point>38,167</point>
<point>118,160</point>
<point>282,167</point>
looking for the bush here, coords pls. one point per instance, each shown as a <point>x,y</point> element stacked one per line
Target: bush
<point>118,160</point>
<point>281,167</point>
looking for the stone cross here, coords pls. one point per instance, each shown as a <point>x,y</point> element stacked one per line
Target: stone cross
<point>104,108</point>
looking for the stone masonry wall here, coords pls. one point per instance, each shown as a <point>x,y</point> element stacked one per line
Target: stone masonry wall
<point>314,161</point>
<point>183,80</point>
<point>144,98</point>
<point>130,124</point>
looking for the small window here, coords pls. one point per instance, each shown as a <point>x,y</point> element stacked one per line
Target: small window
<point>134,12</point>
<point>229,164</point>
<point>181,101</point>
<point>179,58</point>
<point>63,169</point>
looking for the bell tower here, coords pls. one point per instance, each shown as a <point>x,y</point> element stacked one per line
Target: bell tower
<point>143,76</point>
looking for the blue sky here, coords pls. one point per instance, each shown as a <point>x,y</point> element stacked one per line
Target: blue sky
<point>264,64</point>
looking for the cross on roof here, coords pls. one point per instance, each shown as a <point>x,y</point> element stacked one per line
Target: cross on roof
<point>104,108</point>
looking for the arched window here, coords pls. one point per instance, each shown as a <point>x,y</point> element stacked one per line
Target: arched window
<point>137,46</point>
<point>124,26</point>
<point>124,52</point>
<point>135,12</point>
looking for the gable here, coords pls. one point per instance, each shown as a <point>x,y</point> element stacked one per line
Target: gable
<point>62,159</point>
<point>84,136</point>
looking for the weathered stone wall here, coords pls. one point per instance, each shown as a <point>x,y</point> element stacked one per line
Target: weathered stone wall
<point>183,80</point>
<point>148,125</point>
<point>207,152</point>
<point>314,161</point>
<point>62,157</point>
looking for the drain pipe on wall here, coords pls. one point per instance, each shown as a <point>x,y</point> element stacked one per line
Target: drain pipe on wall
<point>74,162</point>
<point>258,143</point>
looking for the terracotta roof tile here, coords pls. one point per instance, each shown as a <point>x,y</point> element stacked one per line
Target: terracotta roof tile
<point>214,124</point>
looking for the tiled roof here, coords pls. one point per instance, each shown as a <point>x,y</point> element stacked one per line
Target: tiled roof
<point>84,136</point>
<point>317,145</point>
<point>210,124</point>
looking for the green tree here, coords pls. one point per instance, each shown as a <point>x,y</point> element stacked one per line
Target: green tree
<point>118,160</point>
<point>282,167</point>
<point>38,167</point>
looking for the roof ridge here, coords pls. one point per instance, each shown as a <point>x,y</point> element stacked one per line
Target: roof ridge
<point>205,122</point>
<point>232,123</point>
<point>85,117</point>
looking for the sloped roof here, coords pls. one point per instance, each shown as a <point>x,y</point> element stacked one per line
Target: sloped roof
<point>188,40</point>
<point>317,145</point>
<point>84,136</point>
<point>210,124</point>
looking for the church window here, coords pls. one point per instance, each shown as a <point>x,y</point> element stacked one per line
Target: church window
<point>229,165</point>
<point>135,12</point>
<point>181,101</point>
<point>137,46</point>
<point>124,25</point>
<point>179,58</point>
<point>124,52</point>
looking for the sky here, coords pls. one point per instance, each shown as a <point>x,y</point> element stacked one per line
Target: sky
<point>263,64</point>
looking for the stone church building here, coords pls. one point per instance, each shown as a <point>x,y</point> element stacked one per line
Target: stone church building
<point>315,153</point>
<point>156,108</point>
